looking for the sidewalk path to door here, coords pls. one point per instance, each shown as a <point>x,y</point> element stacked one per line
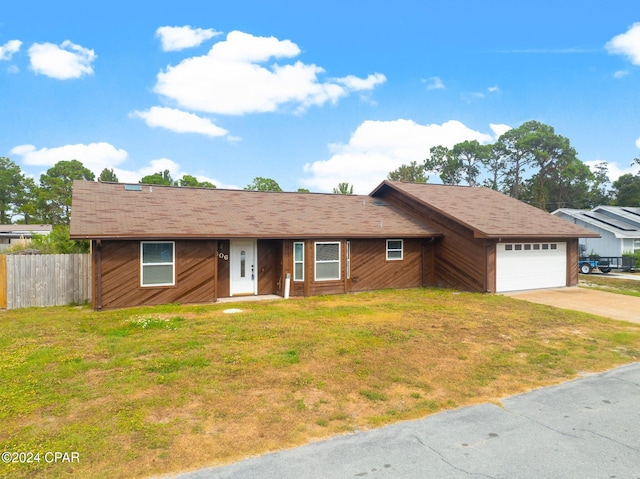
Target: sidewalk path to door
<point>586,428</point>
<point>602,303</point>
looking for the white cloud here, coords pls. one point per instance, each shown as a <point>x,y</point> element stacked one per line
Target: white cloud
<point>95,156</point>
<point>8,49</point>
<point>638,142</point>
<point>434,83</point>
<point>620,74</point>
<point>627,43</point>
<point>499,129</point>
<point>494,89</point>
<point>614,171</point>
<point>354,83</point>
<point>179,121</point>
<point>178,38</point>
<point>379,147</point>
<point>64,62</point>
<point>232,78</point>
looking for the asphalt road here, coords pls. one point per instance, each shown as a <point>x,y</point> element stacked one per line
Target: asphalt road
<point>586,428</point>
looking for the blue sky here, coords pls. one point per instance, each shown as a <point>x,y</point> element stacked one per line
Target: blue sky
<point>309,94</point>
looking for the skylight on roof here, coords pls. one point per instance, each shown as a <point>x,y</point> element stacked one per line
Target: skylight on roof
<point>133,187</point>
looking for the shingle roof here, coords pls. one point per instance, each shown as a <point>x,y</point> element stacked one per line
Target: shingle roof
<point>488,213</point>
<point>108,210</point>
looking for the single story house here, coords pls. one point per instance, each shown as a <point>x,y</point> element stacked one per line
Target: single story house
<point>15,233</point>
<point>618,227</point>
<point>157,244</point>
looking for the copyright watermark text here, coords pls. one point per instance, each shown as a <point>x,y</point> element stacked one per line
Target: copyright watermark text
<point>48,457</point>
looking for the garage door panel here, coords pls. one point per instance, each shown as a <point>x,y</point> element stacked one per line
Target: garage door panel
<point>521,266</point>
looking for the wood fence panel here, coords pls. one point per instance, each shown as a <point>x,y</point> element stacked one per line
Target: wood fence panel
<point>3,281</point>
<point>47,280</point>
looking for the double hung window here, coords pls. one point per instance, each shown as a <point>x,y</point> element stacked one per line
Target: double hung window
<point>157,263</point>
<point>327,261</point>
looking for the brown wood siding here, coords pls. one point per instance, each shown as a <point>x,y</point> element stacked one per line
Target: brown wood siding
<point>491,266</point>
<point>460,259</point>
<point>269,266</point>
<point>120,274</point>
<point>371,270</point>
<point>224,271</point>
<point>573,253</point>
<point>428,263</point>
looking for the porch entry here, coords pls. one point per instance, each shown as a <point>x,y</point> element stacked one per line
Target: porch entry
<point>243,267</point>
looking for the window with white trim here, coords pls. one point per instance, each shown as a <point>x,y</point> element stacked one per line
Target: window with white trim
<point>298,261</point>
<point>327,261</point>
<point>394,250</point>
<point>157,263</point>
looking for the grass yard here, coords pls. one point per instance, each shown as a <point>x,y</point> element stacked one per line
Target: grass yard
<point>611,284</point>
<point>147,391</point>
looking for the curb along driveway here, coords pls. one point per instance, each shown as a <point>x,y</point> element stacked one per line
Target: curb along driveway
<point>586,428</point>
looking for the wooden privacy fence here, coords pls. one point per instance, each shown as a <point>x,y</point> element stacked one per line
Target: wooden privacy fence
<point>44,280</point>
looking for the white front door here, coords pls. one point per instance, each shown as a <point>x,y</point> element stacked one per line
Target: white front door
<point>244,267</point>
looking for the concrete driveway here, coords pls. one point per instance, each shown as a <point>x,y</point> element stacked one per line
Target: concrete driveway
<point>602,303</point>
<point>586,428</point>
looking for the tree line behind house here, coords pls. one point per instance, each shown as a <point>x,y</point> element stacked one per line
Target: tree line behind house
<point>531,163</point>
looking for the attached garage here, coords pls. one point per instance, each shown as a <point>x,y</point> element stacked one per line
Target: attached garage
<point>521,266</point>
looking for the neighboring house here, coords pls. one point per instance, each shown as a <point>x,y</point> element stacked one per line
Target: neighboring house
<point>12,234</point>
<point>618,227</point>
<point>155,244</point>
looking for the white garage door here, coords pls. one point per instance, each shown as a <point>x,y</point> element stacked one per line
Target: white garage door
<point>522,266</point>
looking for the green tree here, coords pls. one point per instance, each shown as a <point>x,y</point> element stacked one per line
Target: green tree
<point>159,178</point>
<point>56,187</point>
<point>343,189</point>
<point>470,155</point>
<point>600,193</point>
<point>566,185</point>
<point>192,182</point>
<point>443,162</point>
<point>15,188</point>
<point>626,190</point>
<point>58,242</point>
<point>303,190</point>
<point>495,165</point>
<point>27,202</point>
<point>263,184</point>
<point>551,154</point>
<point>513,146</point>
<point>108,176</point>
<point>413,173</point>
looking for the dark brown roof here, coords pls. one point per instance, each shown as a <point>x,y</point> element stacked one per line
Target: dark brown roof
<point>108,210</point>
<point>488,213</point>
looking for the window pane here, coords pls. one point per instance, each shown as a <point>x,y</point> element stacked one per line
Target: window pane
<point>394,244</point>
<point>157,253</point>
<point>327,270</point>
<point>327,252</point>
<point>154,274</point>
<point>394,254</point>
<point>298,274</point>
<point>297,252</point>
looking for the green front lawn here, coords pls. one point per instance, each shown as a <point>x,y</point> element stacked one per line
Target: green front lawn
<point>146,391</point>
